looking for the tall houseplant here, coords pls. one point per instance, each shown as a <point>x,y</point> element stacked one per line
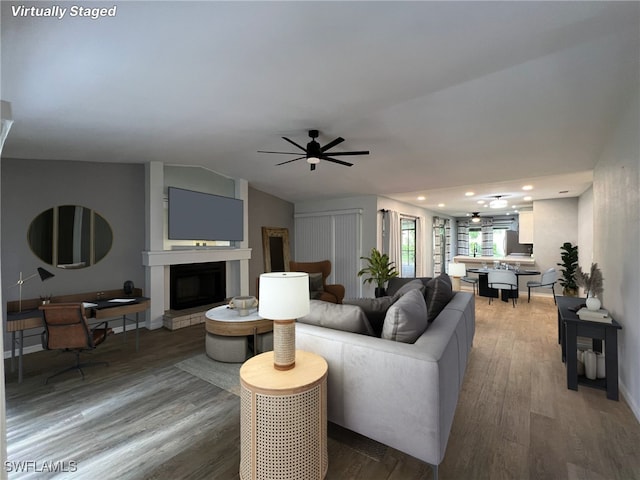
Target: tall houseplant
<point>569,256</point>
<point>379,270</point>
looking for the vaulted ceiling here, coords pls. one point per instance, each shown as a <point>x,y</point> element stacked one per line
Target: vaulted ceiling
<point>447,96</point>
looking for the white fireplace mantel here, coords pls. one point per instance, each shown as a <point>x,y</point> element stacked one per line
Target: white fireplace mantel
<point>176,257</point>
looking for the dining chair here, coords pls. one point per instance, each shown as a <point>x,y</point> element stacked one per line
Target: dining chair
<point>66,329</point>
<point>503,280</point>
<point>473,281</point>
<point>547,280</point>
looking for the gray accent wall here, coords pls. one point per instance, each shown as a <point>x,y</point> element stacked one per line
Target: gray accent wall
<point>265,211</point>
<point>114,190</point>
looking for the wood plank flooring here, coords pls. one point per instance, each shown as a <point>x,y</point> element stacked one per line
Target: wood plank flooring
<point>143,418</point>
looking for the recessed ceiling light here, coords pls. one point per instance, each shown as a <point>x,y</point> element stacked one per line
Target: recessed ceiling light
<point>527,187</point>
<point>422,197</point>
<point>481,202</point>
<point>469,194</point>
<point>441,204</point>
<point>527,199</point>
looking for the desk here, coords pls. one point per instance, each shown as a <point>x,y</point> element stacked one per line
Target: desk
<point>31,317</point>
<point>571,326</point>
<point>483,284</point>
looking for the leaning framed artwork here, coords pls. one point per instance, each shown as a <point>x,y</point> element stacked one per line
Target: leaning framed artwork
<point>275,249</point>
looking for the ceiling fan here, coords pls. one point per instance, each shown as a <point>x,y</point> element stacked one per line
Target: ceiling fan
<point>314,152</point>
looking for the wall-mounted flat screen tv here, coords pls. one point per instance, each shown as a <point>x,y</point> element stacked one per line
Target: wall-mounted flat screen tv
<point>204,216</point>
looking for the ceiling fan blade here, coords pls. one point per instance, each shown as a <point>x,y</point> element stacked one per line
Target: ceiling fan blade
<point>289,161</point>
<point>281,153</point>
<point>332,144</point>
<point>294,143</point>
<point>335,160</point>
<point>360,152</point>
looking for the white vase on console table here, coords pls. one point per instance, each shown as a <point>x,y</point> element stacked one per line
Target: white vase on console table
<point>593,303</point>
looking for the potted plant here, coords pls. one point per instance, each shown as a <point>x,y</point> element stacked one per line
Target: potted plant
<point>379,269</point>
<point>592,283</point>
<point>569,266</point>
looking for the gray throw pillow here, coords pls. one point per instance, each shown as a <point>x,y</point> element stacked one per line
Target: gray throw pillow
<point>315,282</point>
<point>374,308</point>
<point>348,318</point>
<point>406,319</point>
<point>316,286</point>
<point>439,293</point>
<point>413,284</point>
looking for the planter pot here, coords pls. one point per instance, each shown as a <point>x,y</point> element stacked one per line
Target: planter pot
<point>380,292</point>
<point>570,292</point>
<point>593,303</point>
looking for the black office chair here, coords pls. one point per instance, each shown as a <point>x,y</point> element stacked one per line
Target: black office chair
<point>503,280</point>
<point>66,328</point>
<point>547,280</point>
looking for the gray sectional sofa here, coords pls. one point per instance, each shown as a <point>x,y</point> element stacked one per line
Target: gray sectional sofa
<point>403,395</point>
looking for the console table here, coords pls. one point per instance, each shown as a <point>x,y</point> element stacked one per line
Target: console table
<point>570,326</point>
<point>283,418</point>
<point>102,308</point>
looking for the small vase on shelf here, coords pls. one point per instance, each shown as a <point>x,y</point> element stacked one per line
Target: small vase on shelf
<point>593,303</point>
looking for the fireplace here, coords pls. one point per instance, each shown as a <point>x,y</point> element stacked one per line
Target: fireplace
<point>197,284</point>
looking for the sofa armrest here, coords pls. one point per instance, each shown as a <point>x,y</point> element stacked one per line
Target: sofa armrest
<point>336,290</point>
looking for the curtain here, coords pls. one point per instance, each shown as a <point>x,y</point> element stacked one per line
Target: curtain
<point>447,236</point>
<point>463,237</point>
<point>487,237</point>
<point>420,240</point>
<point>395,240</point>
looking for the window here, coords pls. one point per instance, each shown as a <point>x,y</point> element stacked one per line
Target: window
<point>475,242</point>
<point>408,248</point>
<point>499,235</point>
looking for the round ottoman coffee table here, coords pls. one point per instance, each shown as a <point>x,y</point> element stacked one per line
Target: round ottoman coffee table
<point>227,332</point>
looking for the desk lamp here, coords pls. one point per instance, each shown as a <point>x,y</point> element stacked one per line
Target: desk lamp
<point>44,275</point>
<point>457,271</point>
<point>284,296</point>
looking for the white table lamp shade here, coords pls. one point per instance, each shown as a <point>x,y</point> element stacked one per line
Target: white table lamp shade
<point>284,297</point>
<point>457,269</point>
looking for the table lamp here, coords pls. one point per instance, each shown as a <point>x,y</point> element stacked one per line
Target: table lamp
<point>284,296</point>
<point>44,275</point>
<point>457,271</point>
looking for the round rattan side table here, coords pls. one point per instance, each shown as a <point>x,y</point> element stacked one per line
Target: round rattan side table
<point>283,419</point>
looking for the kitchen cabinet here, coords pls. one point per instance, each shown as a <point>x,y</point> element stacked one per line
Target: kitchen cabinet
<point>526,227</point>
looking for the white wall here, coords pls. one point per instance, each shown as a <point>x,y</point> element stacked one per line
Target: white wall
<point>554,223</point>
<point>585,229</point>
<point>616,201</point>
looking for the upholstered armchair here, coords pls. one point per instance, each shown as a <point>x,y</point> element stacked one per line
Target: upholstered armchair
<point>333,293</point>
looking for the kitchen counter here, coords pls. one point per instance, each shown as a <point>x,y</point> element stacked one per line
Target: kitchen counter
<point>510,259</point>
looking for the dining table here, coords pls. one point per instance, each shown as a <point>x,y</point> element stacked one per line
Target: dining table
<point>483,282</point>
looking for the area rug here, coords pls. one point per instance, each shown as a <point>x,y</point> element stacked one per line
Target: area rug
<point>220,374</point>
<point>227,377</point>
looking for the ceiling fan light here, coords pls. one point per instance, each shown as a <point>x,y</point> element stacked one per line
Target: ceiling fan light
<point>475,218</point>
<point>498,203</point>
<point>313,160</point>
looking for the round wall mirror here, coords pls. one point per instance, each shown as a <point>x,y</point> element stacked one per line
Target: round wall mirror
<point>70,236</point>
